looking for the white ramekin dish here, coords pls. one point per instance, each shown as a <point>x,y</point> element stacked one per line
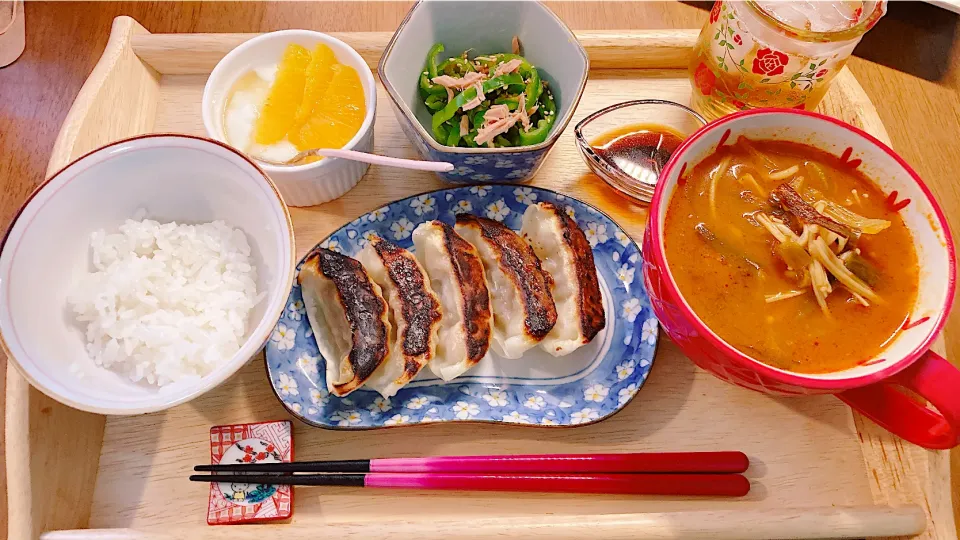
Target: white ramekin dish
<point>301,185</point>
<point>178,178</point>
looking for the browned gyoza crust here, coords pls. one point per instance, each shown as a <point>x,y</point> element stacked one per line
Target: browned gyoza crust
<point>592,318</point>
<point>366,311</point>
<point>420,307</point>
<point>473,289</point>
<point>521,265</point>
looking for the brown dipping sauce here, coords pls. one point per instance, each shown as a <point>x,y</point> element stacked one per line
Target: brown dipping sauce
<point>640,150</point>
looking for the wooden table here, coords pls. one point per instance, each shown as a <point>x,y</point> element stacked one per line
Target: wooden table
<point>909,66</point>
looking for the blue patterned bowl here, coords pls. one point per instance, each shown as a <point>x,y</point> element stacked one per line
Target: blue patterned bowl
<point>485,27</point>
<point>583,387</point>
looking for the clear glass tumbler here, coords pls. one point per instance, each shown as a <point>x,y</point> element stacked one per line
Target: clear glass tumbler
<point>774,53</point>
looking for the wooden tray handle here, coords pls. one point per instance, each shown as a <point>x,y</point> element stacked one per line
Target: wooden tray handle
<point>822,522</point>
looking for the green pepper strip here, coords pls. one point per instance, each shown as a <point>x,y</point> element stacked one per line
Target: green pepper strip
<point>448,112</point>
<point>463,66</point>
<point>427,88</point>
<point>511,102</point>
<point>453,136</point>
<point>432,59</point>
<point>527,71</point>
<point>538,134</point>
<point>435,102</point>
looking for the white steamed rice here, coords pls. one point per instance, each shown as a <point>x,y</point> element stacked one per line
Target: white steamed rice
<point>166,301</point>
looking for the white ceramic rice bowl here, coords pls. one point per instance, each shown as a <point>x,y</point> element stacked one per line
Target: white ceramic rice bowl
<point>174,178</point>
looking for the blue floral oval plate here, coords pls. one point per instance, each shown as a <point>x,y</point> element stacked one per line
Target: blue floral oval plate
<point>584,387</point>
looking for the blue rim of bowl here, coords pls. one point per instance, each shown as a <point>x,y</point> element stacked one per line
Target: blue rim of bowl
<point>554,133</point>
<point>620,407</point>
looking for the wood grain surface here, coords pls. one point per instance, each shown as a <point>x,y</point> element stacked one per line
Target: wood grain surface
<point>918,103</point>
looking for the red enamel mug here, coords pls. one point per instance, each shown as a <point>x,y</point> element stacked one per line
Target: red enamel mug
<point>875,388</point>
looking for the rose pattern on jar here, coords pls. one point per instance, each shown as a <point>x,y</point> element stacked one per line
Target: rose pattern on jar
<point>731,66</point>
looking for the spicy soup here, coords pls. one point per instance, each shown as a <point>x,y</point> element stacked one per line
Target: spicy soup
<point>790,257</point>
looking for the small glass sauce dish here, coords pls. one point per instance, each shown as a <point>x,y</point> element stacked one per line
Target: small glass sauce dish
<point>628,143</point>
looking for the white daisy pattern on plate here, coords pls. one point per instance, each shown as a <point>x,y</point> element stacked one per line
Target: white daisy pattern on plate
<point>284,337</point>
<point>295,407</point>
<point>464,410</point>
<point>626,393</point>
<point>583,416</point>
<point>312,410</point>
<point>417,402</point>
<point>631,308</point>
<point>596,393</point>
<point>401,228</point>
<point>625,369</point>
<point>428,419</point>
<point>482,177</point>
<point>367,237</point>
<point>534,402</point>
<point>525,196</point>
<point>296,310</point>
<point>548,422</point>
<point>625,274</point>
<point>496,398</point>
<point>380,405</point>
<point>461,171</point>
<point>475,160</point>
<point>596,233</point>
<point>346,418</point>
<point>516,418</point>
<point>503,164</point>
<point>333,245</point>
<point>570,212</point>
<point>423,204</point>
<point>518,173</point>
<point>615,255</point>
<point>480,191</point>
<point>397,420</point>
<point>319,396</point>
<point>307,363</point>
<point>288,385</point>
<point>463,206</point>
<point>621,237</point>
<point>379,214</point>
<point>650,330</point>
<point>498,210</point>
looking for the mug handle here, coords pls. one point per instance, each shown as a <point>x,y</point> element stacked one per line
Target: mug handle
<point>932,378</point>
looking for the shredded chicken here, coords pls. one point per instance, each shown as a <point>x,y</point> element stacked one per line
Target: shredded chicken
<point>522,111</point>
<point>496,112</point>
<point>487,132</point>
<point>449,95</point>
<point>507,67</point>
<point>475,102</point>
<point>458,83</point>
<point>464,125</point>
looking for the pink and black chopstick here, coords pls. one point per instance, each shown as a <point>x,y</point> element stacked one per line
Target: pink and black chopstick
<point>684,474</point>
<point>666,462</point>
<point>730,485</point>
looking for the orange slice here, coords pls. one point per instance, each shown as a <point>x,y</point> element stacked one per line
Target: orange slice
<point>280,109</point>
<point>318,77</point>
<point>339,115</point>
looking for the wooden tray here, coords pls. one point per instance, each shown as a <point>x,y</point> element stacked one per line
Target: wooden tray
<point>818,470</point>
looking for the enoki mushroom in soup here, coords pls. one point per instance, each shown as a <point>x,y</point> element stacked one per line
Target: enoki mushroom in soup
<point>790,255</point>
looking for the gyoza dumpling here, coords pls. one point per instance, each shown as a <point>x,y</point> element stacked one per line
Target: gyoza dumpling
<point>414,313</point>
<point>568,258</point>
<point>349,318</point>
<point>456,273</point>
<point>523,308</point>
